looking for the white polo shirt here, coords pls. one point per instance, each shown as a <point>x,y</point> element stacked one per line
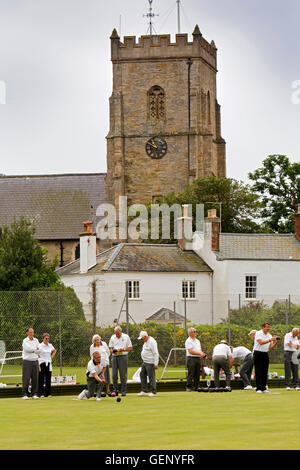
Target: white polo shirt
<point>290,338</point>
<point>122,342</point>
<point>192,344</point>
<point>30,349</point>
<point>240,352</point>
<point>150,352</point>
<point>264,337</point>
<point>221,350</point>
<point>94,369</point>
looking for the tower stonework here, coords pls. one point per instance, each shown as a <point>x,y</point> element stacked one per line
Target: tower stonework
<point>165,121</point>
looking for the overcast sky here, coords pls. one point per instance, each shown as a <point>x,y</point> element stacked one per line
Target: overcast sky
<point>55,63</point>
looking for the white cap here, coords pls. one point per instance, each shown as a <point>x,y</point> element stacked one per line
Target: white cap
<point>143,334</point>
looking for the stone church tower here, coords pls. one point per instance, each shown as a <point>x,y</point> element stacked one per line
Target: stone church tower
<point>165,122</point>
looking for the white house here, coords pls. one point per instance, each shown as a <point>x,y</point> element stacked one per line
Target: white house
<point>250,267</point>
<point>158,276</point>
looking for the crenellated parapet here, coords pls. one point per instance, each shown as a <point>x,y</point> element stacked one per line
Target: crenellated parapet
<point>157,47</point>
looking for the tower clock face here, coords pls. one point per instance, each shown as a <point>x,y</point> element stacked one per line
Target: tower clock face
<point>156,147</point>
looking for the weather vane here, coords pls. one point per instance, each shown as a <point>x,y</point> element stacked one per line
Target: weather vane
<point>150,15</point>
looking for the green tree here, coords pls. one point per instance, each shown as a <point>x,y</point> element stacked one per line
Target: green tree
<point>239,204</point>
<point>23,263</point>
<point>278,184</point>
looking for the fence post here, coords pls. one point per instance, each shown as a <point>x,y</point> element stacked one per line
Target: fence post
<point>174,309</point>
<point>94,310</point>
<point>240,306</point>
<point>290,314</point>
<point>185,317</point>
<point>127,308</point>
<point>229,327</point>
<point>286,315</point>
<point>59,327</point>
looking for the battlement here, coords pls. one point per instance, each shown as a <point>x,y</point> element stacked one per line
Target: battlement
<point>160,46</point>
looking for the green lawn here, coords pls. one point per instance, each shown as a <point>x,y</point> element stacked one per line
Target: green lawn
<point>172,420</point>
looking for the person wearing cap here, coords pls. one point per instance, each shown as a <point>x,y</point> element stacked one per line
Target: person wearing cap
<point>243,354</point>
<point>222,358</point>
<point>101,346</point>
<point>194,355</point>
<point>150,358</point>
<point>263,342</point>
<point>291,344</point>
<point>119,345</point>
<point>95,377</point>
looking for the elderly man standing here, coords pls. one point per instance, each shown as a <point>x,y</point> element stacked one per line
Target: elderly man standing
<point>222,358</point>
<point>263,342</point>
<point>119,345</point>
<point>291,344</point>
<point>194,355</point>
<point>150,359</point>
<point>30,364</point>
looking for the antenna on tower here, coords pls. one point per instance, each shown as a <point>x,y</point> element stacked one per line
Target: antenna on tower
<point>150,15</point>
<point>178,15</point>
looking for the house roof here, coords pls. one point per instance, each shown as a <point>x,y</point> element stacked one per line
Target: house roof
<point>139,257</point>
<point>259,246</point>
<point>57,204</point>
<point>167,315</point>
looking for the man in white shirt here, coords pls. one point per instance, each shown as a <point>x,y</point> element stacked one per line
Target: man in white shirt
<point>30,365</point>
<point>193,358</point>
<point>263,342</point>
<point>119,345</point>
<point>245,355</point>
<point>291,344</point>
<point>221,360</point>
<point>95,377</point>
<point>150,358</point>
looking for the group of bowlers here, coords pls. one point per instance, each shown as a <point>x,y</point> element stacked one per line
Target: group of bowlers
<point>225,356</point>
<point>37,363</point>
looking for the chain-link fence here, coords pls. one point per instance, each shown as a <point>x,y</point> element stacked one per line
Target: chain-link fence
<point>71,322</point>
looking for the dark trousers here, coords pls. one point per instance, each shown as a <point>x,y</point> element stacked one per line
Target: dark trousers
<point>93,386</point>
<point>119,364</point>
<point>261,365</point>
<point>45,380</point>
<point>221,362</point>
<point>148,371</point>
<point>194,371</point>
<point>30,372</point>
<point>246,370</point>
<point>289,369</point>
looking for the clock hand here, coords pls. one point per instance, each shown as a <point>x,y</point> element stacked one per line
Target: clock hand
<point>153,145</point>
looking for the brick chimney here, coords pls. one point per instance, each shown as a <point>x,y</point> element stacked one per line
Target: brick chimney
<point>215,229</point>
<point>297,223</point>
<point>185,229</point>
<point>87,247</point>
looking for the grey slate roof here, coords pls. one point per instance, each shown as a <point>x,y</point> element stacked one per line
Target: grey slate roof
<point>58,204</point>
<point>259,246</point>
<point>139,257</point>
<point>166,315</point>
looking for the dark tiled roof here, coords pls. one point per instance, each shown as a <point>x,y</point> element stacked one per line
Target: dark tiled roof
<point>57,204</point>
<point>165,314</point>
<point>259,246</point>
<point>138,257</point>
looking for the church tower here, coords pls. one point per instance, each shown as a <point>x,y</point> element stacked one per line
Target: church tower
<point>165,120</point>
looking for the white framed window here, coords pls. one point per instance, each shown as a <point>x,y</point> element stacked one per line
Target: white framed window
<point>188,289</point>
<point>251,285</point>
<point>133,289</point>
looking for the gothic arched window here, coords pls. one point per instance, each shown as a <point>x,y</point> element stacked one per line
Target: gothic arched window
<point>156,103</point>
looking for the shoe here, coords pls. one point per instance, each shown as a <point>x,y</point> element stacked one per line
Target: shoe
<point>266,391</point>
<point>151,394</point>
<point>188,389</point>
<point>288,388</point>
<point>297,388</point>
<point>98,399</point>
<point>142,394</point>
<point>123,394</point>
<point>228,388</point>
<point>25,397</point>
<point>258,391</point>
<point>249,387</point>
<point>81,395</point>
<point>42,396</point>
<point>35,397</point>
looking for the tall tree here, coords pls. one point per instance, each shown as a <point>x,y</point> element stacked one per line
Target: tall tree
<point>278,184</point>
<point>234,201</point>
<point>23,263</point>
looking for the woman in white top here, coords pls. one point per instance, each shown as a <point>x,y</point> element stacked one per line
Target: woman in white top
<point>101,346</point>
<point>46,354</point>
